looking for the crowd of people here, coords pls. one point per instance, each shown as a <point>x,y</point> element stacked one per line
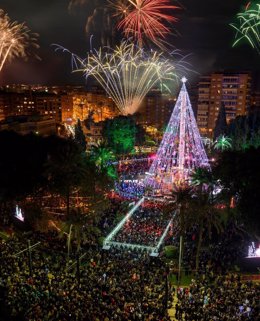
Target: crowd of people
<point>130,188</point>
<point>114,285</point>
<point>120,284</point>
<point>225,298</point>
<point>132,167</point>
<point>144,227</point>
<point>131,174</point>
<point>220,255</point>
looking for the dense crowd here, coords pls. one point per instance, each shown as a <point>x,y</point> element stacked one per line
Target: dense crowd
<point>220,255</point>
<point>131,173</point>
<point>119,284</point>
<point>114,285</point>
<point>130,188</point>
<point>225,298</point>
<point>144,227</point>
<point>135,166</point>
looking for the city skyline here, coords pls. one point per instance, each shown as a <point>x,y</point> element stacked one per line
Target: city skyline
<point>203,33</point>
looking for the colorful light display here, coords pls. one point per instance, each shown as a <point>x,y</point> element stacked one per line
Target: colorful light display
<point>127,73</point>
<point>181,149</point>
<point>144,19</point>
<point>19,214</point>
<point>253,251</point>
<point>125,224</point>
<point>15,39</point>
<point>248,26</point>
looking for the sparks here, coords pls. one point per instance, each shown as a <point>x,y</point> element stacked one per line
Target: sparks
<point>15,39</point>
<point>127,73</point>
<point>144,19</point>
<point>248,26</point>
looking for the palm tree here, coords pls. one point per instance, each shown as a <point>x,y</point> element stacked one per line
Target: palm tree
<point>103,157</point>
<point>201,177</point>
<point>203,180</point>
<point>104,171</point>
<point>184,196</point>
<point>183,211</point>
<point>223,143</point>
<point>78,227</point>
<point>207,217</point>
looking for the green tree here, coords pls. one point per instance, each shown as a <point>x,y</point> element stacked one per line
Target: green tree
<point>183,212</point>
<point>122,133</point>
<point>33,213</point>
<point>103,157</point>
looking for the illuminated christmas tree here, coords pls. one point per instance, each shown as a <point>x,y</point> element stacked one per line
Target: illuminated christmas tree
<point>181,150</point>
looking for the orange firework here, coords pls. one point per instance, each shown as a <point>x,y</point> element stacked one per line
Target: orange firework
<point>145,19</point>
<point>15,39</point>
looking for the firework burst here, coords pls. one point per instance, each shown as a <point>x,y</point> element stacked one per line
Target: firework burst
<point>15,39</point>
<point>144,19</point>
<point>98,19</point>
<point>248,26</point>
<point>127,73</point>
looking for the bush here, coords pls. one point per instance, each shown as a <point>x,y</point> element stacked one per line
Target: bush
<point>171,252</point>
<point>101,240</point>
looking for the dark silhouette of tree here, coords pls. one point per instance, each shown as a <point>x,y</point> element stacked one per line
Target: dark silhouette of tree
<point>80,138</point>
<point>22,161</point>
<point>221,123</point>
<point>207,217</point>
<point>203,180</point>
<point>238,172</point>
<point>196,208</point>
<point>245,131</point>
<point>66,169</point>
<point>89,120</point>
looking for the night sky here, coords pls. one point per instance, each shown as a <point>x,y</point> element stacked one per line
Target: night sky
<point>203,32</point>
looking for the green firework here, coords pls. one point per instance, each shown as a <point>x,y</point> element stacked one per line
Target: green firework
<point>247,26</point>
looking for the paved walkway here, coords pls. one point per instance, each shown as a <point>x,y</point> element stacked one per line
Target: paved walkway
<point>171,311</point>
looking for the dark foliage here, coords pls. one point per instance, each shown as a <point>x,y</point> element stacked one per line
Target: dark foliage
<point>221,123</point>
<point>239,173</point>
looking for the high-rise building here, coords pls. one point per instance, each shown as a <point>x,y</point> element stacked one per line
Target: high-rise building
<point>156,109</point>
<point>230,89</point>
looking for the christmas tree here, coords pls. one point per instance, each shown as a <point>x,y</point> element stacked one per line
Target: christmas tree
<point>181,150</point>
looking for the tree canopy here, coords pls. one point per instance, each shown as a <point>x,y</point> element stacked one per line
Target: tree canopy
<point>239,173</point>
<point>31,165</point>
<point>122,134</point>
<point>245,131</point>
